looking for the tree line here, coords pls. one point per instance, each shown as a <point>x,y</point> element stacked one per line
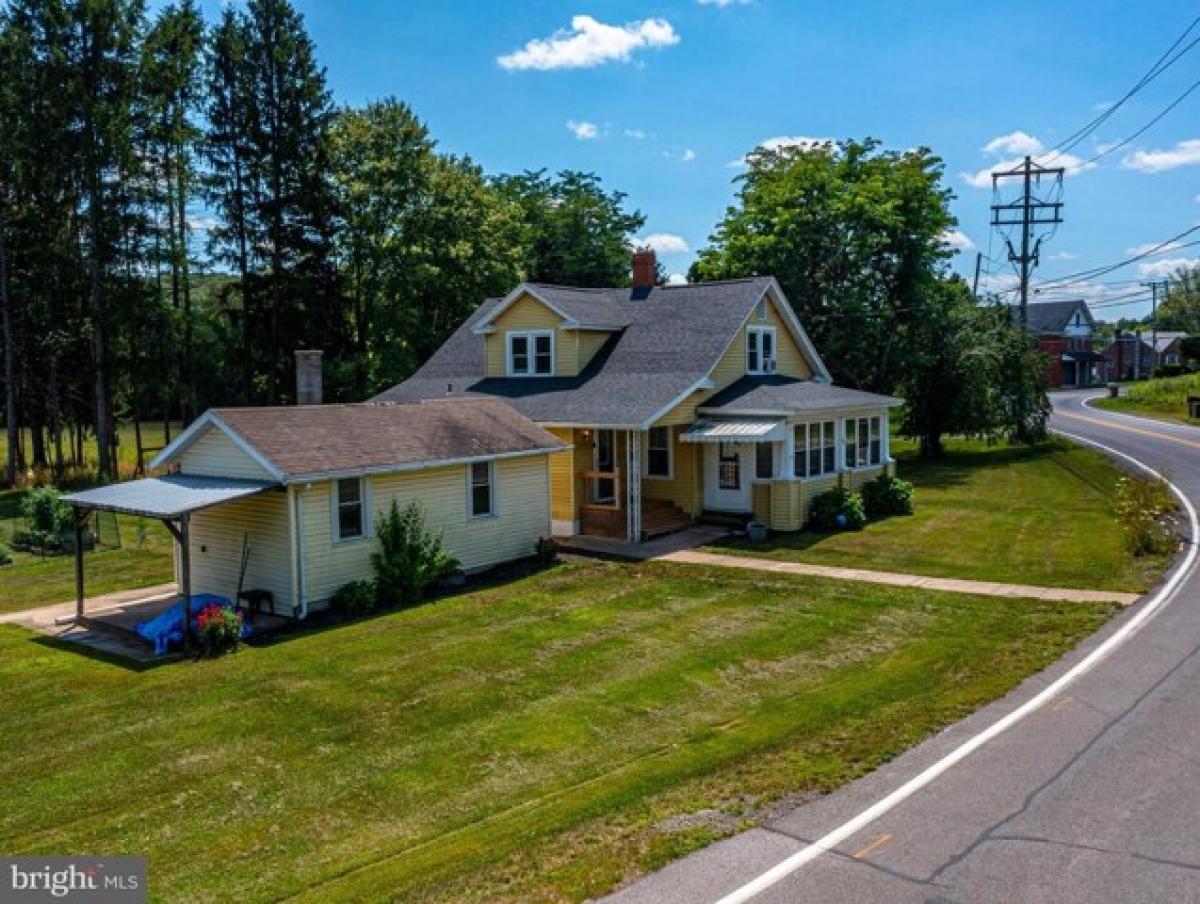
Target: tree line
<point>182,205</point>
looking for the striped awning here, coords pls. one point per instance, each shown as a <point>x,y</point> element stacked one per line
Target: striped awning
<point>736,430</point>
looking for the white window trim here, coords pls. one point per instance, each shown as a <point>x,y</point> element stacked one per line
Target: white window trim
<point>364,495</point>
<point>838,448</point>
<point>531,337</point>
<point>884,450</point>
<point>757,332</point>
<point>493,495</point>
<point>670,475</point>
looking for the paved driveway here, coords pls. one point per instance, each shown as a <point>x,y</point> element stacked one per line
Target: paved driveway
<point>1094,797</point>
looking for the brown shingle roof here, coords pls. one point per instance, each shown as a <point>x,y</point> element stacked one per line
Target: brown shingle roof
<point>311,440</point>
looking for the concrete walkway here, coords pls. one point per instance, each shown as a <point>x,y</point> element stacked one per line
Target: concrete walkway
<point>44,617</point>
<point>894,579</point>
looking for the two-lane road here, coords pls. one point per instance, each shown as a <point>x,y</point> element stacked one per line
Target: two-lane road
<point>1090,793</point>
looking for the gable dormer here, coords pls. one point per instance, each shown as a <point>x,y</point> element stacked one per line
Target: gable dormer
<point>528,336</point>
<point>764,345</point>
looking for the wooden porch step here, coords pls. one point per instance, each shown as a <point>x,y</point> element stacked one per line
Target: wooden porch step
<point>733,520</point>
<point>662,517</point>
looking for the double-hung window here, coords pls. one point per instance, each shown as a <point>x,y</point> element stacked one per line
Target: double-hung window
<point>864,442</point>
<point>349,519</point>
<point>531,353</point>
<point>481,488</point>
<point>760,350</point>
<point>658,452</point>
<point>816,449</point>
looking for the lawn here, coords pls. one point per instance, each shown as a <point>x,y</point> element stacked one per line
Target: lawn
<point>152,436</point>
<point>542,740</point>
<point>144,559</point>
<point>1164,398</point>
<point>1004,513</point>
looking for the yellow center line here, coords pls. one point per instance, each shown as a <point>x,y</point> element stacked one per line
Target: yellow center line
<point>1112,425</point>
<point>878,842</point>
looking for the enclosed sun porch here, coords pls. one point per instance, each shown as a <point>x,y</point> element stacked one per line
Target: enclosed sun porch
<point>633,485</point>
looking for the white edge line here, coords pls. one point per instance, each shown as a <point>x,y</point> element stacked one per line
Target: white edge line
<point>827,842</point>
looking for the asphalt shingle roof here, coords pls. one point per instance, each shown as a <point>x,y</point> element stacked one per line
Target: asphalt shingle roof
<point>1051,316</point>
<point>303,440</point>
<point>671,337</point>
<point>780,393</point>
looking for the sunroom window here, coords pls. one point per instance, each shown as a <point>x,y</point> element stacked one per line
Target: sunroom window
<point>816,449</point>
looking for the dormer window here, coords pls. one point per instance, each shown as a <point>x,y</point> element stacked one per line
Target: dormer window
<point>531,353</point>
<point>760,350</point>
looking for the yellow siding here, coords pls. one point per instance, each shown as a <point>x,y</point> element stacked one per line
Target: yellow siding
<point>527,313</point>
<point>563,469</point>
<point>762,502</point>
<point>216,547</point>
<point>214,454</point>
<point>785,505</point>
<point>523,515</point>
<point>589,342</point>
<point>684,488</point>
<point>732,365</point>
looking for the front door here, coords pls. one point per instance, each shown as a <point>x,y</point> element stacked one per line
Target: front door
<point>727,477</point>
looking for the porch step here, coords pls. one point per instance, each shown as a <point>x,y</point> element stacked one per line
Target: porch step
<point>661,517</point>
<point>732,520</point>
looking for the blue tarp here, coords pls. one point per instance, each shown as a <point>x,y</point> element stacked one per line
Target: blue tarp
<point>166,629</point>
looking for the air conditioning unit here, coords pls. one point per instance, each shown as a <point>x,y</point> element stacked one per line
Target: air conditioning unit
<point>769,366</point>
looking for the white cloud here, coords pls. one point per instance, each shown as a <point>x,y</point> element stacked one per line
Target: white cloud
<point>677,279</point>
<point>590,43</point>
<point>1102,106</point>
<point>688,155</point>
<point>664,243</point>
<point>635,133</point>
<point>1168,267</point>
<point>957,241</point>
<point>1019,145</point>
<point>724,3</point>
<point>1062,256</point>
<point>778,142</point>
<point>1137,250</point>
<point>583,130</point>
<point>1014,143</point>
<point>1185,153</point>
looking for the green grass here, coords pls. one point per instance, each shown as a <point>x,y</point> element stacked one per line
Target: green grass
<point>152,436</point>
<point>39,581</point>
<point>1013,514</point>
<point>1164,398</point>
<point>538,741</point>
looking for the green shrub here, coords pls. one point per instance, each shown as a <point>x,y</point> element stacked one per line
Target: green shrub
<point>26,540</point>
<point>410,558</point>
<point>837,509</point>
<point>45,511</point>
<point>355,598</point>
<point>1168,370</point>
<point>5,555</point>
<point>1142,506</point>
<point>887,495</point>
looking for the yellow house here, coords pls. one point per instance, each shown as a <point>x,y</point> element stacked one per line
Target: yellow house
<point>283,500</point>
<point>676,403</point>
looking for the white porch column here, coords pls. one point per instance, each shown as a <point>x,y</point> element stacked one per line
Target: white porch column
<point>633,480</point>
<point>885,440</point>
<point>787,468</point>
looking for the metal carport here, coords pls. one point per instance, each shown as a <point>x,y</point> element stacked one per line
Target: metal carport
<point>170,499</point>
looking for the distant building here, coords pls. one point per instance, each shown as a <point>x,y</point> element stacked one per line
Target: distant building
<point>1065,333</point>
<point>1133,356</point>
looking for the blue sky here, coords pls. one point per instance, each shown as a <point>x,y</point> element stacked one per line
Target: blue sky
<point>660,98</point>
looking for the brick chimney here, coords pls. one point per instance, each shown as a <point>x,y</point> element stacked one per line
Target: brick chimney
<point>645,268</point>
<point>308,376</point>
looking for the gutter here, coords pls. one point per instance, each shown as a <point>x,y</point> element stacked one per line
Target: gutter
<point>298,528</point>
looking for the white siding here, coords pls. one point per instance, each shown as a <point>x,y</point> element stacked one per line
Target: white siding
<point>522,497</point>
<point>216,547</point>
<point>214,454</point>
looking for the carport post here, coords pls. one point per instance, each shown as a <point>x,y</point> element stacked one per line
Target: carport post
<point>185,575</point>
<point>81,516</point>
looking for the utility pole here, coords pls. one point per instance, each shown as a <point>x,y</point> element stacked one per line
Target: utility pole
<point>975,282</point>
<point>1028,212</point>
<point>1155,285</point>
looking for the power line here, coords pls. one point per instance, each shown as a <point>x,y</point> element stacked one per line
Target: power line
<point>1027,212</point>
<point>1160,66</point>
<point>1086,275</point>
<point>1120,144</point>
